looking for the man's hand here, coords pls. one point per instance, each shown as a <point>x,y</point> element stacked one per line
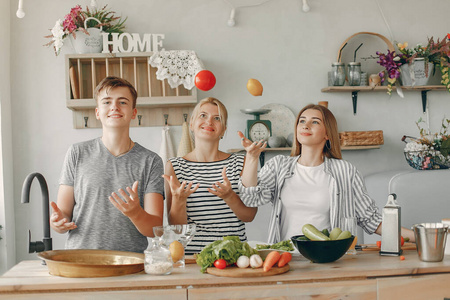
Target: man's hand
<point>58,222</point>
<point>129,204</point>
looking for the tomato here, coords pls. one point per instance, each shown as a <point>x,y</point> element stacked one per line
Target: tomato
<point>402,241</point>
<point>379,244</point>
<point>220,263</point>
<point>205,80</point>
<point>402,257</point>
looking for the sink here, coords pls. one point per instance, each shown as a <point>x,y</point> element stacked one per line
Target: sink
<point>85,263</point>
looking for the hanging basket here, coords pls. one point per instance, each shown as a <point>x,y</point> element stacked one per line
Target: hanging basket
<point>83,43</point>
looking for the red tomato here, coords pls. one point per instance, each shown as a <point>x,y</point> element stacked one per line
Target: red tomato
<point>402,257</point>
<point>402,240</point>
<point>220,263</point>
<point>205,80</point>
<point>379,244</point>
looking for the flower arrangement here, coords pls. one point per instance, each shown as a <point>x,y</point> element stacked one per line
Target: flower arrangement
<point>431,150</point>
<point>437,53</point>
<point>74,21</point>
<point>392,62</point>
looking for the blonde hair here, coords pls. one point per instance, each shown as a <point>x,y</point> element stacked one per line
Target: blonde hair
<point>332,148</point>
<point>223,113</point>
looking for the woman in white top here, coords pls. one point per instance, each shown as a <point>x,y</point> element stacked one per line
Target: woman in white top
<point>202,187</point>
<point>314,185</point>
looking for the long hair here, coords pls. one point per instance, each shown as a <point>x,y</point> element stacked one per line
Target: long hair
<point>223,113</point>
<point>332,147</point>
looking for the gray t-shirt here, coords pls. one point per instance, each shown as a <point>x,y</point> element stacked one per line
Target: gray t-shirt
<point>94,174</point>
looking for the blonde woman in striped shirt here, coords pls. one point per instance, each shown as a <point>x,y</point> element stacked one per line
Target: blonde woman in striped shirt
<point>313,185</point>
<point>202,187</point>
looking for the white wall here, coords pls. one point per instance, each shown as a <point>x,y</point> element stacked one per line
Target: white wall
<point>7,244</point>
<point>289,51</point>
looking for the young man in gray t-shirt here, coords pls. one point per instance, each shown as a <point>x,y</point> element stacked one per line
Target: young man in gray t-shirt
<point>92,204</point>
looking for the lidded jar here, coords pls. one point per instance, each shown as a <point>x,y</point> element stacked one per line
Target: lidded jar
<point>158,260</point>
<point>338,73</point>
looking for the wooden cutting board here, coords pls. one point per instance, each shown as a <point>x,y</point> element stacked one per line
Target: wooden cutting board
<point>406,246</point>
<point>247,272</point>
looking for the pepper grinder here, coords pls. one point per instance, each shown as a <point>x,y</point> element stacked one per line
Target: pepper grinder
<point>391,228</point>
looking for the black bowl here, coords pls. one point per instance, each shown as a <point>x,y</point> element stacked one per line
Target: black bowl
<point>322,251</point>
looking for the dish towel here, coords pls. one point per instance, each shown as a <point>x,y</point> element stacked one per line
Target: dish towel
<point>186,144</point>
<point>166,151</point>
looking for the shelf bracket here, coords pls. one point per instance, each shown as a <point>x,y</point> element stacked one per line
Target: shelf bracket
<point>424,100</point>
<point>355,101</point>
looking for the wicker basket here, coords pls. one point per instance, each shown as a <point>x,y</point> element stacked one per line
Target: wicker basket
<point>361,138</point>
<point>426,160</point>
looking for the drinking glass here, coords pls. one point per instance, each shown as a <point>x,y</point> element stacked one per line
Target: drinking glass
<point>181,233</point>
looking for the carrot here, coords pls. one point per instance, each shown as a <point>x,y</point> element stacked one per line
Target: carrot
<point>271,259</point>
<point>284,259</point>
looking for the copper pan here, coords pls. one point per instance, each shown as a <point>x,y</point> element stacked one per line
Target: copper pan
<point>92,263</point>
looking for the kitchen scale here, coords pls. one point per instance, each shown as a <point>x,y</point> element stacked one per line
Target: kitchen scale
<point>257,129</point>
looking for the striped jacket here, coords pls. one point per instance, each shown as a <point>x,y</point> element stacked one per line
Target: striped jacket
<point>350,204</point>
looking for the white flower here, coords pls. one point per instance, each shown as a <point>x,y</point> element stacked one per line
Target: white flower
<point>58,36</point>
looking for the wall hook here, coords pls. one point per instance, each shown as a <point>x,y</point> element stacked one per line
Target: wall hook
<point>185,117</point>
<point>86,121</point>
<point>139,118</point>
<point>166,116</point>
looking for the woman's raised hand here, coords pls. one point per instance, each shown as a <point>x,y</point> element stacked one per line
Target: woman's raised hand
<point>223,189</point>
<point>180,191</point>
<point>253,149</point>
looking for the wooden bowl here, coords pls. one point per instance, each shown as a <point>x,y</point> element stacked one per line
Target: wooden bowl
<point>84,263</point>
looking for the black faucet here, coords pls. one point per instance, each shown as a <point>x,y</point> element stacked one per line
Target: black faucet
<point>46,244</point>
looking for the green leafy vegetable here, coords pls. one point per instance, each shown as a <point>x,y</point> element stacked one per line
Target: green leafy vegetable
<point>230,249</point>
<point>283,245</point>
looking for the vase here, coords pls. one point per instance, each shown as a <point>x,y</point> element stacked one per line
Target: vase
<point>83,43</point>
<point>415,74</point>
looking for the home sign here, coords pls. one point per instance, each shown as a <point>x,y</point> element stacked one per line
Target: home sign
<point>149,42</point>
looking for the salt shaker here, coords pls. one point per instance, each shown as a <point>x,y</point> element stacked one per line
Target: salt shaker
<point>337,73</point>
<point>158,260</point>
<point>354,73</point>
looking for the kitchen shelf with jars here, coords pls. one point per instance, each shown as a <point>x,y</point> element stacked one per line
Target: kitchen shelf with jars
<point>412,68</point>
<point>157,103</point>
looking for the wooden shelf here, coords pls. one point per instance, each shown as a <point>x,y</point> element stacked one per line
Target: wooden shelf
<point>262,157</point>
<point>155,97</point>
<point>344,89</point>
<point>356,89</point>
<point>343,148</point>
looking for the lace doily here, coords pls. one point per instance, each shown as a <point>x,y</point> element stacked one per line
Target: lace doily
<point>177,66</point>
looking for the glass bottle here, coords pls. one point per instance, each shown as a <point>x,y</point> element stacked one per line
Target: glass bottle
<point>354,73</point>
<point>158,260</point>
<point>337,74</point>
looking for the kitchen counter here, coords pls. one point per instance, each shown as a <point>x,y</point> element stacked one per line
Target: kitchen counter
<point>366,275</point>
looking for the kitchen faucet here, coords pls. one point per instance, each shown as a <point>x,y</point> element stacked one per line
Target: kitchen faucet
<point>46,244</point>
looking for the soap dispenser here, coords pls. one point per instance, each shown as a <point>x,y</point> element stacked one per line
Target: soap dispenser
<point>391,228</point>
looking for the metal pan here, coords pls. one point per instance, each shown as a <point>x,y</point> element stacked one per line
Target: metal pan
<point>92,263</point>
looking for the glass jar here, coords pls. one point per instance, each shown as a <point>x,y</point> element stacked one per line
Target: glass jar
<point>158,260</point>
<point>354,73</point>
<point>337,74</point>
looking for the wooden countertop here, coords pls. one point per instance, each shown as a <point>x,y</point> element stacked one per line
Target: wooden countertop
<point>32,277</point>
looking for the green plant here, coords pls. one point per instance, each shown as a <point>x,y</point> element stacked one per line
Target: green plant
<point>435,52</point>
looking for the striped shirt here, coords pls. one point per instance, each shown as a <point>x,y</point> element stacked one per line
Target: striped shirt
<point>213,217</point>
<point>350,204</point>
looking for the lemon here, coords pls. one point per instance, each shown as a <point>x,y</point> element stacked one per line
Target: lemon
<point>176,250</point>
<point>254,87</point>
